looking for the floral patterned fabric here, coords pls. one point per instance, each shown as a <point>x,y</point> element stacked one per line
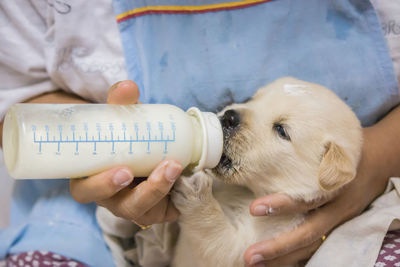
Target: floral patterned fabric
<point>39,259</point>
<point>390,250</point>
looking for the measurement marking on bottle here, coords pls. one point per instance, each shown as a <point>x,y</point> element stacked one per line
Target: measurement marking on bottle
<point>85,127</point>
<point>150,136</point>
<point>40,145</point>
<point>47,132</point>
<point>94,146</point>
<point>148,126</point>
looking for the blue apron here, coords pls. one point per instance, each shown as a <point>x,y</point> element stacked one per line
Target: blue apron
<point>45,217</point>
<point>208,55</point>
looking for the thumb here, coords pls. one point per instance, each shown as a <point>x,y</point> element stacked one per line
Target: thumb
<point>123,93</point>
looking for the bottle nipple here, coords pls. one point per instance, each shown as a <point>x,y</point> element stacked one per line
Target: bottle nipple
<point>212,139</point>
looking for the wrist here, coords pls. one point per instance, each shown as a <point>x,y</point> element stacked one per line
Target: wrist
<point>377,159</point>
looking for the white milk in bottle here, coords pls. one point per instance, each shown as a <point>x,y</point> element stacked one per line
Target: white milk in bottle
<point>77,140</point>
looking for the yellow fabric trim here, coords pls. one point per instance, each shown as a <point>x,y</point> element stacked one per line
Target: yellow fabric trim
<point>187,8</point>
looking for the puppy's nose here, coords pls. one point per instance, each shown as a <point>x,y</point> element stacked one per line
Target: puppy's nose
<point>230,119</point>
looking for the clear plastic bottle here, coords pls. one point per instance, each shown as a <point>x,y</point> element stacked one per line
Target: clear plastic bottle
<point>76,140</point>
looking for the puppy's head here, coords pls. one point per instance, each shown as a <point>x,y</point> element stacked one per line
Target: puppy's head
<point>292,136</point>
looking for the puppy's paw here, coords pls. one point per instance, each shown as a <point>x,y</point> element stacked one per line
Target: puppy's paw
<point>192,190</point>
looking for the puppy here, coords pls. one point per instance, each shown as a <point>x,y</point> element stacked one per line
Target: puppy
<point>293,137</point>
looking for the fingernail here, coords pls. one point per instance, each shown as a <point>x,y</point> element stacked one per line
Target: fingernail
<point>272,211</point>
<point>172,171</point>
<point>122,177</point>
<point>115,85</point>
<point>256,258</point>
<point>260,210</point>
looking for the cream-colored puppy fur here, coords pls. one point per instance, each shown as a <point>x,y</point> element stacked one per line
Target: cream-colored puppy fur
<point>293,137</point>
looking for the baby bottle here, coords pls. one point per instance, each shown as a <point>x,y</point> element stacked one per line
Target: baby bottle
<point>77,140</point>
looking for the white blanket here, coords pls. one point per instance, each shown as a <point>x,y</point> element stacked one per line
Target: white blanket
<point>358,241</point>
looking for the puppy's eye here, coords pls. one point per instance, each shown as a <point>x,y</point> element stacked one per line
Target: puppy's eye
<point>281,131</point>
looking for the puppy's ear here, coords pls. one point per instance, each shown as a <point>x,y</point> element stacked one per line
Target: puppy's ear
<point>336,168</point>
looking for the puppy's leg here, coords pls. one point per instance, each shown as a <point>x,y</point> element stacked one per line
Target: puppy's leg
<point>204,225</point>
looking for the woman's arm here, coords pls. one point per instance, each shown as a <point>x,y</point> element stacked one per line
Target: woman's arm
<point>380,160</point>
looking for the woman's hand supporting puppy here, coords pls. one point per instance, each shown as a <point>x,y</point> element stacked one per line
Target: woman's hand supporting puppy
<point>379,162</point>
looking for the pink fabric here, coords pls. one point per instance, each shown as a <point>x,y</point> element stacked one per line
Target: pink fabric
<point>40,259</point>
<point>390,250</point>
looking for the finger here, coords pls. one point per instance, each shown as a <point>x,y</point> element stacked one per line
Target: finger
<point>100,186</point>
<point>296,256</point>
<point>133,203</point>
<point>163,211</point>
<point>281,203</point>
<point>123,93</point>
<point>316,225</point>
